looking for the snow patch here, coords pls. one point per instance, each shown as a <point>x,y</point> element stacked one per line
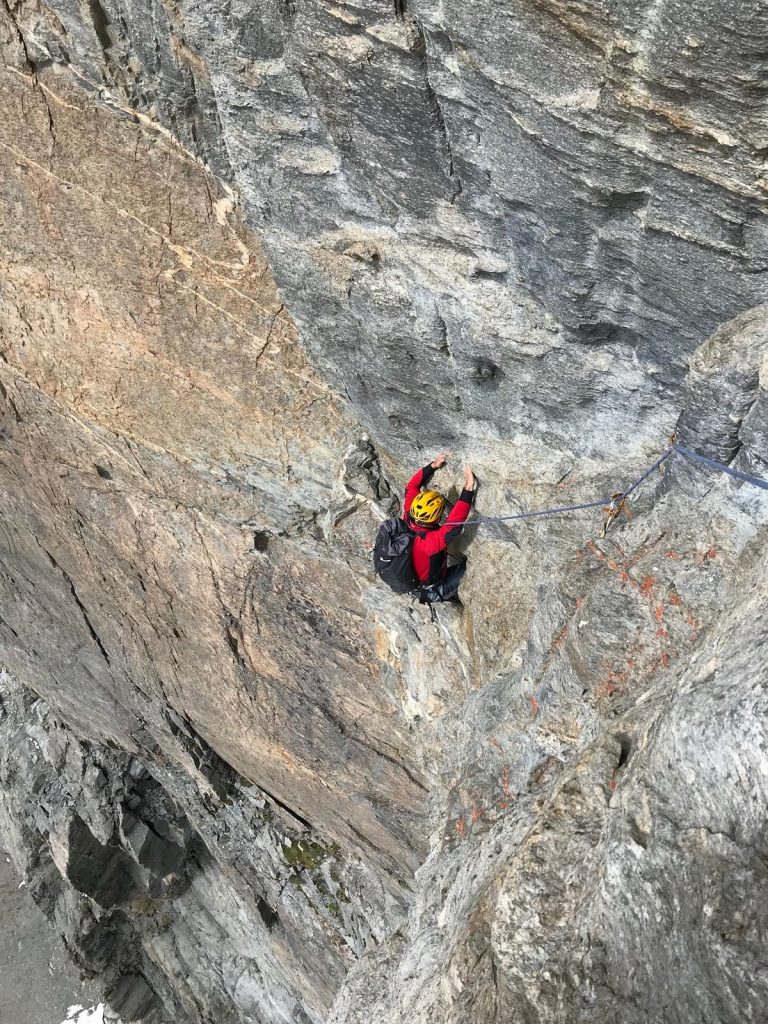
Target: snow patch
<point>80,1015</point>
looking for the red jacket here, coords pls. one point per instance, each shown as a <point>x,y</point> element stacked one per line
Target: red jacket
<point>430,547</point>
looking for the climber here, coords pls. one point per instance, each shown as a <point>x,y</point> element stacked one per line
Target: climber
<point>411,554</point>
<point>422,511</point>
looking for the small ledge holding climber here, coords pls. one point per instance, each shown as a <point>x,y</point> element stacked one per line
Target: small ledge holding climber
<point>411,553</point>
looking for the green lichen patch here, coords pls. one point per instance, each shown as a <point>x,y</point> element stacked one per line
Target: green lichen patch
<point>305,854</point>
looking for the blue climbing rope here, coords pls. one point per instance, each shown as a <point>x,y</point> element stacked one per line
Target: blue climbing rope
<point>641,479</point>
<point>529,515</point>
<point>689,454</point>
<point>614,502</point>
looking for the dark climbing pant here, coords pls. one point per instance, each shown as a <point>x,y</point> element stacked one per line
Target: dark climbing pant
<point>448,588</point>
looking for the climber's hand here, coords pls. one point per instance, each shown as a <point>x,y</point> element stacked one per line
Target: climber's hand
<point>439,460</point>
<point>469,479</point>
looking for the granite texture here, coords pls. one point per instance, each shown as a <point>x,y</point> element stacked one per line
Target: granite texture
<point>258,263</point>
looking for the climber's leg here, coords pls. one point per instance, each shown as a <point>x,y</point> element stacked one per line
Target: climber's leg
<point>448,590</point>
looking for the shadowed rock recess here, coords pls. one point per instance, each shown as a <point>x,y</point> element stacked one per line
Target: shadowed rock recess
<point>259,262</point>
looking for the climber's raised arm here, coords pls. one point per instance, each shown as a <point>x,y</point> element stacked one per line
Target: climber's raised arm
<point>451,528</point>
<point>421,478</point>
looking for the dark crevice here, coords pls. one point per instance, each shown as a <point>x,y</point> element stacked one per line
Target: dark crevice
<point>405,882</point>
<point>233,634</point>
<point>626,749</point>
<point>363,839</point>
<point>486,373</point>
<point>222,777</point>
<point>133,998</point>
<point>260,541</point>
<point>422,53</point>
<point>100,24</point>
<point>444,346</point>
<point>399,765</point>
<point>268,915</point>
<point>231,623</point>
<point>627,200</point>
<point>601,333</point>
<point>288,8</point>
<point>10,403</point>
<point>105,873</point>
<point>81,606</point>
<point>22,41</point>
<point>363,741</point>
<point>9,627</point>
<point>51,122</point>
<point>489,275</point>
<point>284,807</point>
<point>34,66</point>
<point>708,245</point>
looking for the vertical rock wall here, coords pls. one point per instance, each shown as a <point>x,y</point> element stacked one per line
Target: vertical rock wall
<point>173,473</point>
<point>473,202</point>
<point>245,782</point>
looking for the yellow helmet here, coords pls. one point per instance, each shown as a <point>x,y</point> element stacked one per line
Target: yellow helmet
<point>427,508</point>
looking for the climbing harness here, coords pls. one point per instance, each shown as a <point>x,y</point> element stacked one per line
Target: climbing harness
<point>614,505</point>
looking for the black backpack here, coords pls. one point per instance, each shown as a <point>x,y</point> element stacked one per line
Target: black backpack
<point>392,556</point>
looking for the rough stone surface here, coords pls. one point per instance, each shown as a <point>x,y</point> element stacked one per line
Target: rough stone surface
<point>245,782</point>
<point>40,982</point>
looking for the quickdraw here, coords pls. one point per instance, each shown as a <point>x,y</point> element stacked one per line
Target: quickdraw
<point>613,511</point>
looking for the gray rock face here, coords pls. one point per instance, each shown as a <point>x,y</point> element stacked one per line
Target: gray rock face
<point>177,583</point>
<point>477,204</point>
<point>40,982</point>
<point>245,782</point>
